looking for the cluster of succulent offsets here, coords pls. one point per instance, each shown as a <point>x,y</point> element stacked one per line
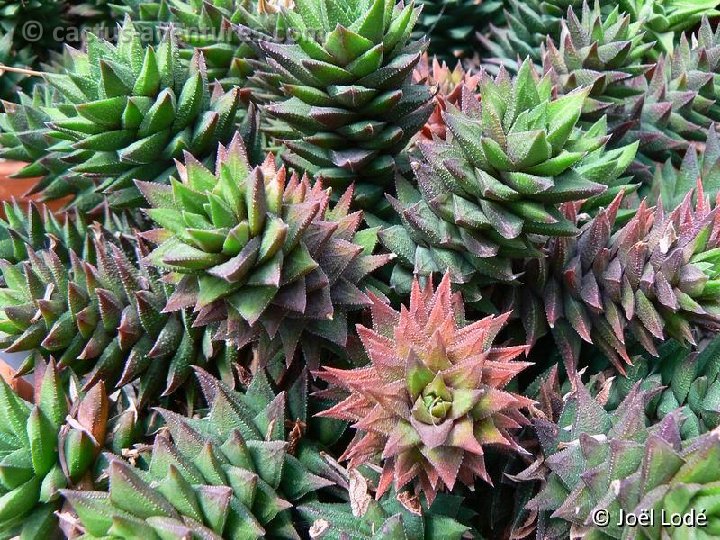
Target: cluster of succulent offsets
<point>361,269</point>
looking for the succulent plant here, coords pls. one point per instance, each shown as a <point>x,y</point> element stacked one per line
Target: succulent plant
<point>43,449</point>
<point>678,378</point>
<point>660,105</point>
<point>679,100</point>
<point>228,474</point>
<point>670,185</point>
<point>602,52</point>
<point>447,86</point>
<point>210,26</point>
<point>694,70</point>
<point>689,381</point>
<point>451,26</point>
<point>664,20</point>
<point>692,483</point>
<point>350,105</point>
<point>103,319</point>
<point>28,224</point>
<point>528,24</point>
<point>673,104</point>
<point>260,250</point>
<point>609,50</point>
<point>488,192</point>
<point>669,115</point>
<point>656,277</point>
<point>612,461</point>
<point>432,397</point>
<point>120,113</point>
<point>36,227</point>
<point>394,517</point>
<point>653,120</point>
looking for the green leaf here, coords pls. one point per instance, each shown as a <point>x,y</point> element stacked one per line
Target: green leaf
<point>160,116</point>
<point>346,46</point>
<point>418,376</point>
<point>51,398</point>
<point>108,141</point>
<point>528,148</point>
<point>168,218</point>
<point>148,81</point>
<point>14,413</point>
<point>128,492</point>
<point>180,493</point>
<point>130,527</point>
<point>16,467</point>
<point>298,263</point>
<point>563,113</point>
<point>190,102</point>
<point>256,204</point>
<point>367,63</point>
<point>20,500</point>
<point>106,112</point>
<point>273,239</point>
<point>79,452</point>
<point>252,301</point>
<point>113,78</point>
<point>496,156</point>
<point>147,150</point>
<point>94,509</point>
<point>211,288</point>
<point>371,24</point>
<point>43,441</point>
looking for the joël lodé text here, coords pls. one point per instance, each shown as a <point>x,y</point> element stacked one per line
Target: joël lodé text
<point>664,518</point>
